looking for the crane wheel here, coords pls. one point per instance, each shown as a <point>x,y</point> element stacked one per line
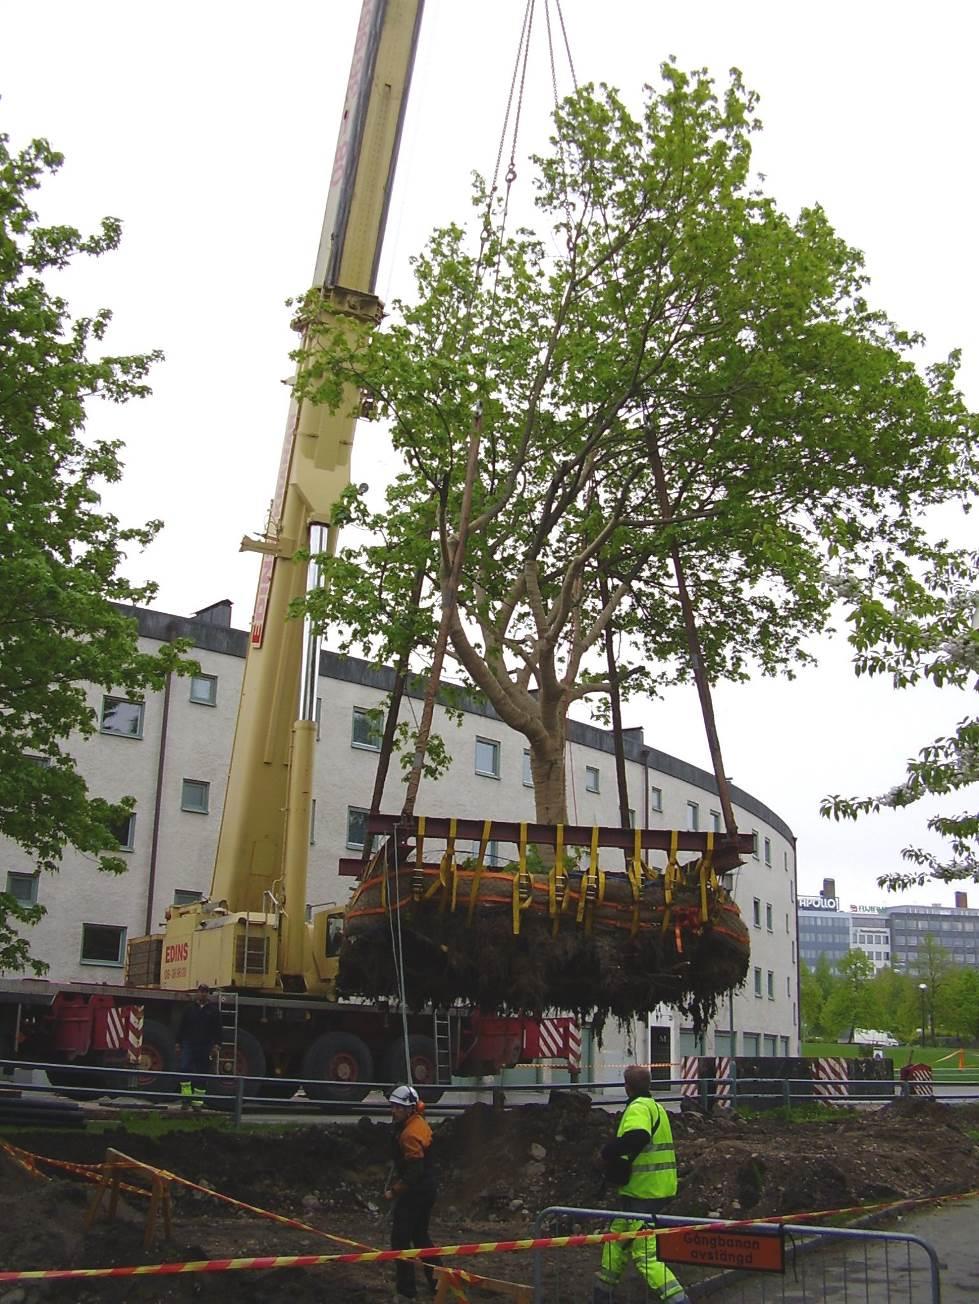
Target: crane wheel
<point>338,1066</point>
<point>157,1058</point>
<point>248,1063</point>
<point>423,1068</point>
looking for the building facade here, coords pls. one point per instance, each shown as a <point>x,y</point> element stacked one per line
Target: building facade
<point>171,753</point>
<point>891,936</point>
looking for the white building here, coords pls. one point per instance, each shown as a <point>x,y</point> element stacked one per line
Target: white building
<point>171,753</point>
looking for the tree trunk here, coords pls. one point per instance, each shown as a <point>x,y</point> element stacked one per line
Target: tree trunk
<point>547,768</point>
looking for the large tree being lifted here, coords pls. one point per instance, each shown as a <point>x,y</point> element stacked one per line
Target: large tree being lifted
<point>677,383</point>
<point>635,450</point>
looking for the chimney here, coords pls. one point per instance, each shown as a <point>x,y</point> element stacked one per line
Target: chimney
<point>961,901</point>
<point>218,613</point>
<point>829,888</point>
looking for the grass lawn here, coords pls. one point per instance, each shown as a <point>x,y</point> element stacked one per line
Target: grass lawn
<point>943,1057</point>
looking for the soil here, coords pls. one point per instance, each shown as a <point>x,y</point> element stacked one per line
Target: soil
<point>496,1170</point>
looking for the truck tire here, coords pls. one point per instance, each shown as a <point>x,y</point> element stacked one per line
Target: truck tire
<point>157,1058</point>
<point>249,1064</point>
<point>423,1073</point>
<point>78,1081</point>
<point>338,1066</point>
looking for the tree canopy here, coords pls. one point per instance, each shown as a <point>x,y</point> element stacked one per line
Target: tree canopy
<point>681,395</point>
<point>60,623</point>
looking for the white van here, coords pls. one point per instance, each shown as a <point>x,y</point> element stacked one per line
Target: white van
<point>873,1037</point>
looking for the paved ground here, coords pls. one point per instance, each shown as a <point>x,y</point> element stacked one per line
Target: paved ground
<point>953,1230</point>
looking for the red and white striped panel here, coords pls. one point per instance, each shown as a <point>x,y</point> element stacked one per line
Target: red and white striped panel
<point>561,1039</point>
<point>124,1030</point>
<point>722,1084</point>
<point>134,1034</point>
<point>829,1080</point>
<point>690,1073</point>
<point>116,1024</point>
<point>922,1080</point>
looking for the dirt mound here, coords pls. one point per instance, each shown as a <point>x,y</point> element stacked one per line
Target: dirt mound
<point>496,1171</point>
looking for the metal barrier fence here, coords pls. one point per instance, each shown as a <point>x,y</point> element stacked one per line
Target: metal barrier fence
<point>238,1096</point>
<point>836,1265</point>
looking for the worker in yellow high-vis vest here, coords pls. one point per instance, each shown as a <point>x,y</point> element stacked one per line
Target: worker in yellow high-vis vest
<point>641,1161</point>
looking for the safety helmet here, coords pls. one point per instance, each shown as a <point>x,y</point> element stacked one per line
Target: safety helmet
<point>407,1097</point>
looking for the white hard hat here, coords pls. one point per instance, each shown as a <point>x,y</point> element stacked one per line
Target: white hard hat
<point>406,1096</point>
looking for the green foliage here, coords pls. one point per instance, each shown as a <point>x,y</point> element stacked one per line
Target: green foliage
<point>61,625</point>
<point>669,367</point>
<point>833,1004</point>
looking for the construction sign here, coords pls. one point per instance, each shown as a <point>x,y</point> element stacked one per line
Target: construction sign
<point>758,1249</point>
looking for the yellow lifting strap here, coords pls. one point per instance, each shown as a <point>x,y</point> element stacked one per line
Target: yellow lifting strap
<point>635,880</point>
<point>669,878</point>
<point>706,874</point>
<point>557,881</point>
<point>523,883</point>
<point>446,864</point>
<point>477,875</point>
<point>418,874</point>
<point>590,885</point>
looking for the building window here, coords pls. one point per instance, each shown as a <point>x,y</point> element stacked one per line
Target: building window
<point>185,896</point>
<point>103,944</point>
<point>793,950</point>
<point>750,1041</point>
<point>768,851</point>
<point>204,689</point>
<point>366,730</point>
<point>757,981</point>
<point>756,913</point>
<point>488,758</point>
<point>22,887</point>
<point>715,821</point>
<point>528,777</point>
<point>771,985</point>
<point>356,826</point>
<point>754,843</point>
<point>769,917</point>
<point>121,717</point>
<point>591,778</point>
<point>195,796</point>
<point>785,1045</point>
<point>656,799</point>
<point>771,1044</point>
<point>788,985</point>
<point>124,832</point>
<point>693,816</point>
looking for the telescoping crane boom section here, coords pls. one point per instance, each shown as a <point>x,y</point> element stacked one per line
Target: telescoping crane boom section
<point>264,837</point>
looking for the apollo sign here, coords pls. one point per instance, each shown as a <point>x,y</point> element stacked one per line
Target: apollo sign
<point>819,903</point>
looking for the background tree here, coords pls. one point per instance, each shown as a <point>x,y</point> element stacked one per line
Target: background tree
<point>60,555</point>
<point>851,1003</point>
<point>924,628</point>
<point>686,405</point>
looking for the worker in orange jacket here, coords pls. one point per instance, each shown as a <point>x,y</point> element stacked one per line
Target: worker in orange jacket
<point>411,1186</point>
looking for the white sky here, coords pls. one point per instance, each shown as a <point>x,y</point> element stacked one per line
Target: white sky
<point>209,129</point>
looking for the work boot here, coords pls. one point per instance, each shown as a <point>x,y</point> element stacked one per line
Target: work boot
<point>198,1097</point>
<point>602,1293</point>
<point>186,1095</point>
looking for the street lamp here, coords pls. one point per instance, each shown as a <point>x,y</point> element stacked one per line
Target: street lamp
<point>923,989</point>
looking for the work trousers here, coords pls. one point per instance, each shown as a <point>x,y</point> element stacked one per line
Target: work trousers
<point>617,1254</point>
<point>409,1230</point>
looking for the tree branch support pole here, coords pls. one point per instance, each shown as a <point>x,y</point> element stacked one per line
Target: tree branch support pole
<point>693,641</point>
<point>449,595</point>
<point>394,711</point>
<point>615,700</point>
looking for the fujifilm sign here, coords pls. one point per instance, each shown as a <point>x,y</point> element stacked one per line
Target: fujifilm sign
<point>819,903</point>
